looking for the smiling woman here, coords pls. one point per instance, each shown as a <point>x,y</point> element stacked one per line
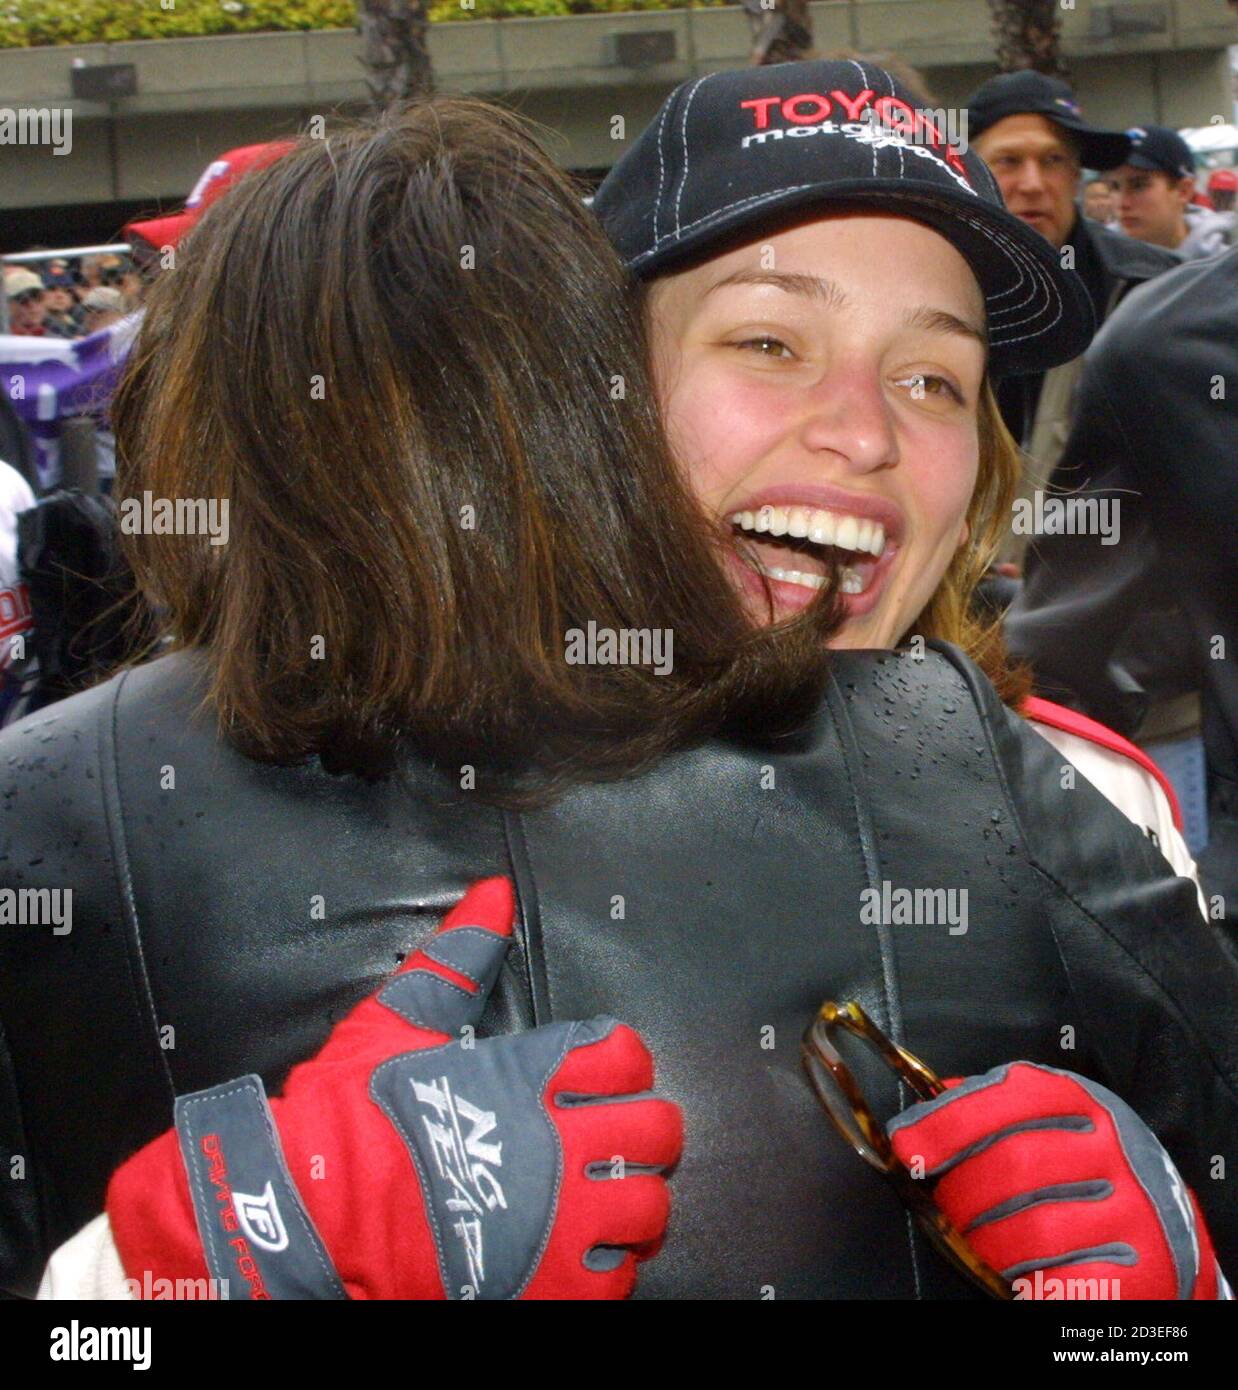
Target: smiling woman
<point>827,318</point>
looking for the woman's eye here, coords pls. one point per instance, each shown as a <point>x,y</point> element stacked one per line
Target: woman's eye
<point>766,346</point>
<point>924,385</point>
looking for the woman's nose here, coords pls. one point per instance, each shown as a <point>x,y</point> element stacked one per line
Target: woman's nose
<point>848,415</point>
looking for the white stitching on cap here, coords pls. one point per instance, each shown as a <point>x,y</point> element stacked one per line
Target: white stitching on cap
<point>726,207</point>
<point>864,79</point>
<point>684,135</point>
<point>1024,262</point>
<point>657,202</point>
<point>1040,281</point>
<point>1019,258</point>
<point>902,158</point>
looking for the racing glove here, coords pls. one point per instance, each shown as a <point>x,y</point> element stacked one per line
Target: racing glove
<point>1040,1169</point>
<point>408,1161</point>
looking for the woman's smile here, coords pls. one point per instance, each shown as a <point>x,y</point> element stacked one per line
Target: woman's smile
<point>794,535</point>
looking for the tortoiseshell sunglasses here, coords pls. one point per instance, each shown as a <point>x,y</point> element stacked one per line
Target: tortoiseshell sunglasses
<point>853,1117</point>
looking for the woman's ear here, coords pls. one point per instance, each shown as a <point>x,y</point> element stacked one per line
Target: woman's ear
<point>964,534</point>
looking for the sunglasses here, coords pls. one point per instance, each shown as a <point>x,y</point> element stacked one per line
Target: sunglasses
<point>27,296</point>
<point>853,1117</point>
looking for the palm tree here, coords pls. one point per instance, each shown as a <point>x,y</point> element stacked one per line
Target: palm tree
<point>394,51</point>
<point>1027,34</point>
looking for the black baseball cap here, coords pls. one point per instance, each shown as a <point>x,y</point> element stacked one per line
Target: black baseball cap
<point>739,153</point>
<point>1156,147</point>
<point>1035,93</point>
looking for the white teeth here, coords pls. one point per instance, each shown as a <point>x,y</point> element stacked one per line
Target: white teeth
<point>848,534</point>
<point>850,581</point>
<point>805,581</point>
<point>823,527</point>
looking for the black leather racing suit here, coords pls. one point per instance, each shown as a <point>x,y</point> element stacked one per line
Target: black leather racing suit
<point>711,903</point>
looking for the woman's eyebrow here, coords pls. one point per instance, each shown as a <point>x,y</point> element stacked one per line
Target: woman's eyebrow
<point>940,321</point>
<point>832,296</point>
<point>807,286</point>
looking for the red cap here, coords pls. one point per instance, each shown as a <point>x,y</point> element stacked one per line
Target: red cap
<point>216,179</point>
<point>1222,180</point>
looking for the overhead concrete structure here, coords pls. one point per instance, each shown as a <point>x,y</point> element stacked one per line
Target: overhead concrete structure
<point>594,80</point>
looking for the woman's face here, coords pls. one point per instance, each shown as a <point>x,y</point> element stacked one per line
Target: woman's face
<point>821,386</point>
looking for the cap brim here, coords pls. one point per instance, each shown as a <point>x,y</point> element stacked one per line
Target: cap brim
<point>1141,161</point>
<point>1098,149</point>
<point>1039,315</point>
<point>161,231</point>
<point>1103,152</point>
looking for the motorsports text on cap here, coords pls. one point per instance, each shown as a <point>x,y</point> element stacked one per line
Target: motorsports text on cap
<point>808,113</point>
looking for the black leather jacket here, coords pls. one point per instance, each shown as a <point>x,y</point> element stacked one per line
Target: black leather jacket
<point>1110,266</point>
<point>1153,433</point>
<point>712,904</point>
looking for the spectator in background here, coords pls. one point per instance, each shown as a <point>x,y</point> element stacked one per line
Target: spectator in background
<point>90,272</point>
<point>1100,202</point>
<point>114,272</point>
<point>27,302</point>
<point>1223,189</point>
<point>63,317</point>
<point>100,308</point>
<point>1030,131</point>
<point>1155,188</point>
<point>132,287</point>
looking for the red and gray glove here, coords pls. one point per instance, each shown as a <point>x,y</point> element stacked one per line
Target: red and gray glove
<point>1040,1169</point>
<point>399,1163</point>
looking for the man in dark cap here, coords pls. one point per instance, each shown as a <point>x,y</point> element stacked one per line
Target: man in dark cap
<point>1156,186</point>
<point>1030,131</point>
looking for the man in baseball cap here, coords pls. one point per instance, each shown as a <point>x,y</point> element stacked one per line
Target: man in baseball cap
<point>1156,184</point>
<point>150,236</point>
<point>27,303</point>
<point>1223,189</point>
<point>1030,130</point>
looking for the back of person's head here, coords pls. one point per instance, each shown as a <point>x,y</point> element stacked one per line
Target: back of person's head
<point>404,356</point>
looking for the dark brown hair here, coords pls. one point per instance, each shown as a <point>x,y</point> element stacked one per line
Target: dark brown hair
<point>405,357</point>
